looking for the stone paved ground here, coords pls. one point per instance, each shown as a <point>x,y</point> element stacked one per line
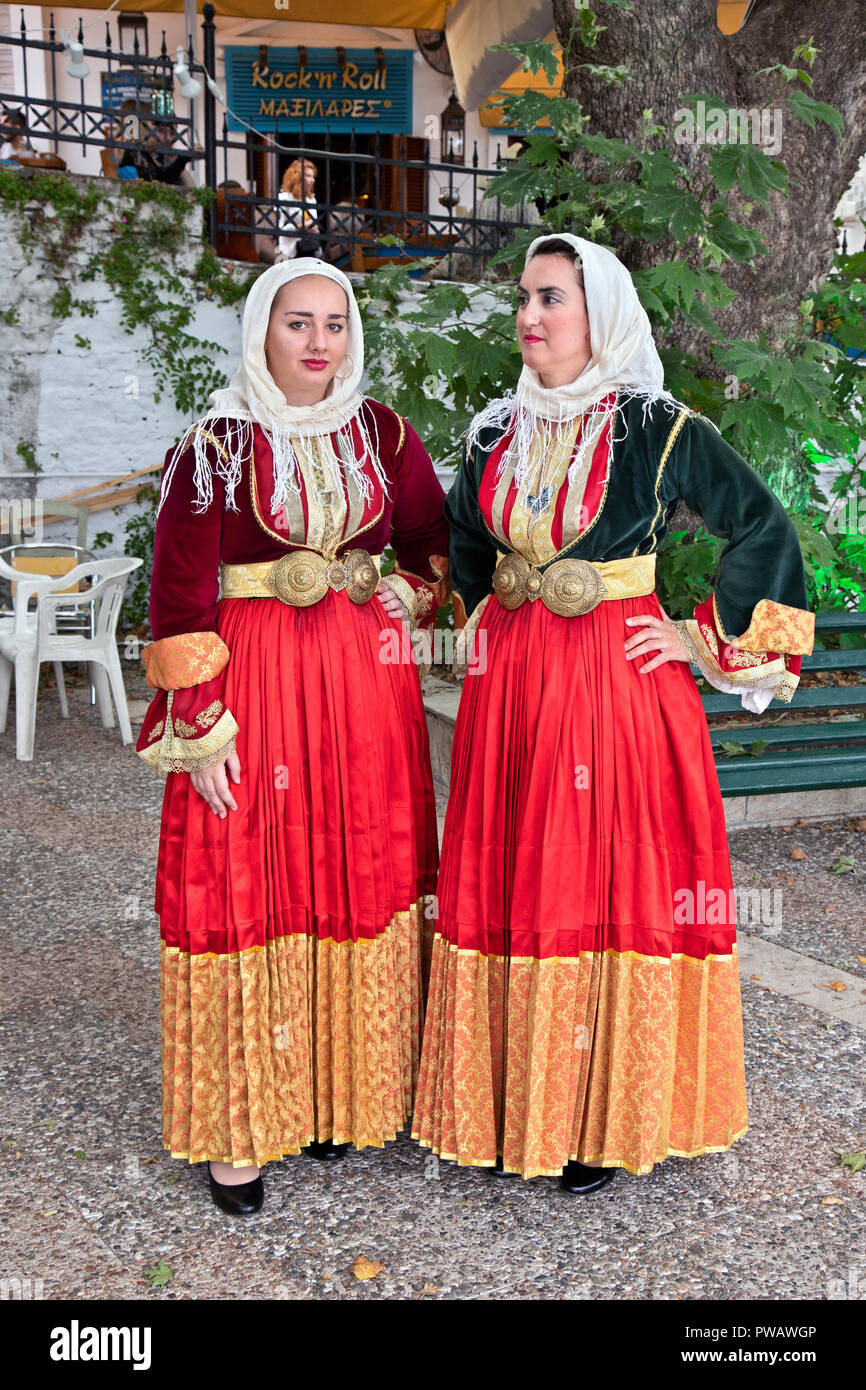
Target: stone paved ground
<point>89,1201</point>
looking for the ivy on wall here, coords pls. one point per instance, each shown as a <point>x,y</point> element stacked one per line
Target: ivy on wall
<point>148,230</point>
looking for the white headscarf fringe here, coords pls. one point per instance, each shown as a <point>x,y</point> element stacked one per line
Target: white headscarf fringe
<point>253,397</point>
<point>624,361</point>
<point>511,414</point>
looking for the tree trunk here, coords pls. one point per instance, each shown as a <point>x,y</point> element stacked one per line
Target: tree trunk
<point>676,48</point>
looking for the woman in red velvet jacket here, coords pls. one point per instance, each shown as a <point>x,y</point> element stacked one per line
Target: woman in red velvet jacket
<point>298,832</point>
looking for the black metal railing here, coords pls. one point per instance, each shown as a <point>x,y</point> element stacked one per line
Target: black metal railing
<point>140,122</point>
<point>435,209</point>
<point>463,220</point>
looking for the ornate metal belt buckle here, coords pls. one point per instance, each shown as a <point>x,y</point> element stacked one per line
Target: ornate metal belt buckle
<point>572,587</point>
<point>362,577</point>
<point>510,580</point>
<point>300,578</point>
<point>336,575</point>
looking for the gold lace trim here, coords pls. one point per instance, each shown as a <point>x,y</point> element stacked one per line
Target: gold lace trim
<point>769,676</point>
<point>187,754</point>
<point>684,415</point>
<point>464,638</point>
<point>406,594</point>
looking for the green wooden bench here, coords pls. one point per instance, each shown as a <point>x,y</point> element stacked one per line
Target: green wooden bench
<point>801,756</point>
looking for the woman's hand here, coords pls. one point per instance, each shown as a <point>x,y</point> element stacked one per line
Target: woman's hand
<point>656,636</point>
<point>212,784</point>
<point>391,604</point>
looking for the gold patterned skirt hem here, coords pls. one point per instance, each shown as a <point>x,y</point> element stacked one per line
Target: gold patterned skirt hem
<point>546,1061</point>
<point>289,1151</point>
<point>267,1049</point>
<point>581,1158</point>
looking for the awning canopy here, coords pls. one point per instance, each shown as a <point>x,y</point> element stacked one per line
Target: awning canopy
<point>491,113</point>
<point>473,26</point>
<point>378,14</point>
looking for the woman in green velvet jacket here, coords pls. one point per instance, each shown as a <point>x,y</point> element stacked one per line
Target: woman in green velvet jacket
<point>584,1011</point>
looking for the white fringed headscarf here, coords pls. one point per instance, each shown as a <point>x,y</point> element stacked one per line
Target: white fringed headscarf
<point>624,360</point>
<point>253,396</point>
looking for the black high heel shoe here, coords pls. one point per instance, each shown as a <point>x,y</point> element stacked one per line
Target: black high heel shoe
<point>242,1199</point>
<point>328,1151</point>
<point>580,1178</point>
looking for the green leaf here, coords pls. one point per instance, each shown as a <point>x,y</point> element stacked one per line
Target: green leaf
<point>589,25</point>
<point>755,172</point>
<point>759,425</point>
<point>854,1161</point>
<point>679,282</point>
<point>606,147</point>
<point>732,749</point>
<point>758,748</point>
<point>79,1153</point>
<point>608,74</point>
<point>807,52</point>
<point>440,352</point>
<point>811,111</point>
<point>158,1276</point>
<point>740,243</point>
<point>789,74</point>
<point>843,865</point>
<point>534,55</point>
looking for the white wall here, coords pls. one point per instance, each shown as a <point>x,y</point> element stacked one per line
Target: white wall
<point>89,411</point>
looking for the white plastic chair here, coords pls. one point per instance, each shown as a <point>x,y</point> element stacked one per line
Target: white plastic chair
<point>72,619</point>
<point>28,643</point>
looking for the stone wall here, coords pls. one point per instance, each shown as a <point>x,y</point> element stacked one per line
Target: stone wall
<point>76,391</point>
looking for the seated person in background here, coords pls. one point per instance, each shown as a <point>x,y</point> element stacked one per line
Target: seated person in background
<point>299,227</point>
<point>112,155</point>
<point>155,162</point>
<point>165,166</point>
<point>13,130</point>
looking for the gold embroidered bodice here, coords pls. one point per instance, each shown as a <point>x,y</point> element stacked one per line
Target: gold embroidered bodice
<point>326,504</point>
<point>534,508</point>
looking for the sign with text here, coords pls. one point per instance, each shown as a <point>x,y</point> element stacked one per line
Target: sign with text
<point>321,90</point>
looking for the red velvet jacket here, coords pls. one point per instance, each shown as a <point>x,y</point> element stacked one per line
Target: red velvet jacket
<point>187,725</point>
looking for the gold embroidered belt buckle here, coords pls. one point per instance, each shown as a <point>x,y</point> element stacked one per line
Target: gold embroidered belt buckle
<point>303,577</point>
<point>571,588</point>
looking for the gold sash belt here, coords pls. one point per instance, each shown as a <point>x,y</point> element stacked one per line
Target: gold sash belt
<point>572,587</point>
<point>302,577</point>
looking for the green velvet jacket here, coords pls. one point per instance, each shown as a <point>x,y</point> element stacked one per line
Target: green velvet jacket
<point>762,558</point>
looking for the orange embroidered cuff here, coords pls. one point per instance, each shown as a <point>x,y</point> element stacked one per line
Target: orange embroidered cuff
<point>758,677</point>
<point>173,663</point>
<point>774,627</point>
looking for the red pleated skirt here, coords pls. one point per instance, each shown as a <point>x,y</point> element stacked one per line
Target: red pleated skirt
<point>584,996</point>
<point>292,929</point>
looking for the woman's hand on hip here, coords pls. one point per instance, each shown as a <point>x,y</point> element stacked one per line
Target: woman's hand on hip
<point>656,635</point>
<point>212,784</point>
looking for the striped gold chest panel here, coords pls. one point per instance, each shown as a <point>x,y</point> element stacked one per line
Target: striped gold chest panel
<point>530,522</point>
<point>334,514</point>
